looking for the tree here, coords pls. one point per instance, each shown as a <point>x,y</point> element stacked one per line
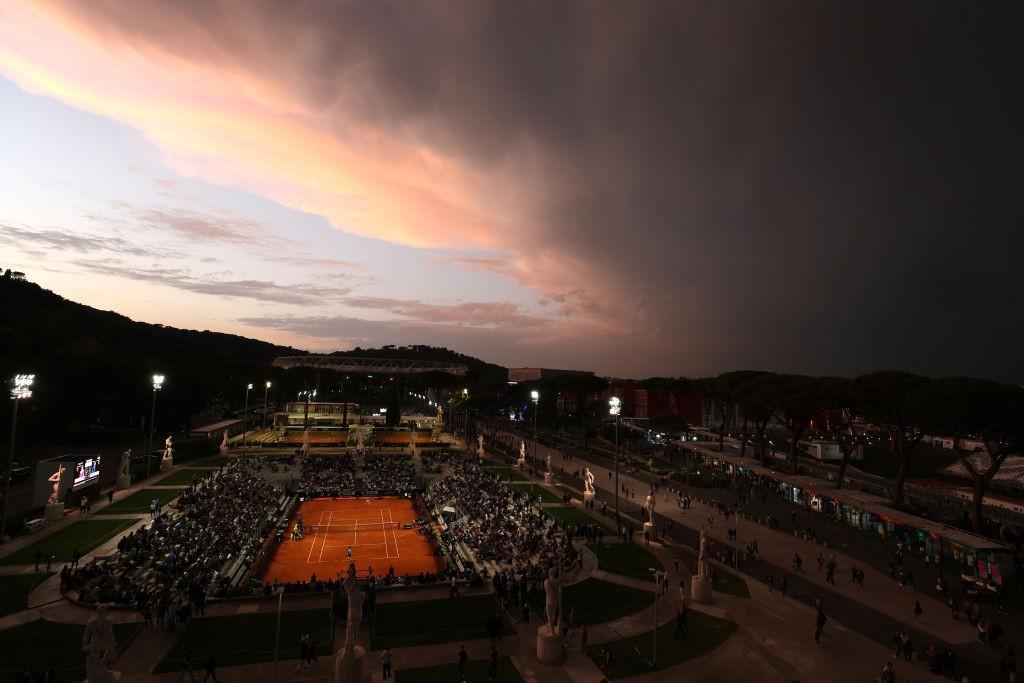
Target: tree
<point>798,399</point>
<point>990,412</point>
<point>757,398</point>
<point>894,401</point>
<point>842,400</point>
<point>720,393</point>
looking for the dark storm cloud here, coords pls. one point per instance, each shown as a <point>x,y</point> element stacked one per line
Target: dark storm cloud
<point>808,186</point>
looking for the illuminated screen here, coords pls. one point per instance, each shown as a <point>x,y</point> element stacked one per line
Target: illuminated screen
<point>87,472</point>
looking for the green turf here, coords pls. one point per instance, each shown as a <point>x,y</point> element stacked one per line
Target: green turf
<point>446,673</point>
<point>626,559</point>
<point>83,536</point>
<point>545,495</point>
<point>215,461</point>
<point>598,601</point>
<point>578,495</point>
<point>631,657</point>
<point>183,477</point>
<point>248,638</point>
<point>726,580</point>
<point>574,515</point>
<point>14,590</point>
<point>139,501</point>
<point>506,472</point>
<point>402,624</point>
<point>40,643</point>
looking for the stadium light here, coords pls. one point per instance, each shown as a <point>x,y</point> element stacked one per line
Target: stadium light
<point>535,395</point>
<point>614,406</point>
<point>266,390</point>
<point>245,413</point>
<point>21,388</point>
<point>158,383</point>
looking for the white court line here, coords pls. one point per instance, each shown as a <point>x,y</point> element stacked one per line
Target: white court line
<point>355,534</point>
<point>329,514</point>
<point>309,558</point>
<point>385,533</point>
<point>393,537</point>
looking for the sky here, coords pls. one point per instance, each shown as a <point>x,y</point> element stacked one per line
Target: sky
<point>645,188</point>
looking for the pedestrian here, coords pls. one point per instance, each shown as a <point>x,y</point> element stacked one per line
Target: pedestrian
<point>771,584</point>
<point>681,623</point>
<point>463,658</point>
<point>186,666</point>
<point>492,668</point>
<point>674,560</point>
<point>783,586</point>
<point>917,610</point>
<point>211,669</point>
<point>50,557</point>
<point>385,663</point>
<point>819,625</point>
<point>454,589</point>
<point>110,496</point>
<point>526,613</point>
<point>682,589</point>
<point>888,673</point>
<point>39,558</point>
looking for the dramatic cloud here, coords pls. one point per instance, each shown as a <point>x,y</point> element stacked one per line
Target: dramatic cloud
<point>259,290</point>
<point>62,240</point>
<point>691,187</point>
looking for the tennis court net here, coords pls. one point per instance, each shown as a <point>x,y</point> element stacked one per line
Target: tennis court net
<point>354,526</point>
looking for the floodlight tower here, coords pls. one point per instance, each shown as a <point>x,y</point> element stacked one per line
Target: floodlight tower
<point>614,408</point>
<point>21,388</point>
<point>266,390</point>
<point>535,396</point>
<point>158,382</point>
<point>245,413</point>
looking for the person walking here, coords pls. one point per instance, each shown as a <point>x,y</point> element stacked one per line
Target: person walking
<point>211,669</point>
<point>186,666</point>
<point>681,623</point>
<point>819,625</point>
<point>385,663</point>
<point>783,586</point>
<point>917,610</point>
<point>463,658</point>
<point>771,584</point>
<point>492,667</point>
<point>526,613</point>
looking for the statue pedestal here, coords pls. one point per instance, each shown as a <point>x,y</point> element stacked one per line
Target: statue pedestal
<point>54,511</point>
<point>124,481</point>
<point>648,528</point>
<point>166,464</point>
<point>549,646</point>
<point>349,669</point>
<point>549,478</point>
<point>588,497</point>
<point>521,462</point>
<point>700,589</point>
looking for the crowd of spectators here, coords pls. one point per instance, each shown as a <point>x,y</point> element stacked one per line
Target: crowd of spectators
<point>327,476</point>
<point>180,557</point>
<point>498,524</point>
<point>389,474</point>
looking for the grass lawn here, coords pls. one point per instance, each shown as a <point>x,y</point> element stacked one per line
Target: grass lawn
<point>215,461</point>
<point>248,638</point>
<point>630,656</point>
<point>82,536</point>
<point>40,643</point>
<point>573,515</point>
<point>626,559</point>
<point>183,477</point>
<point>578,495</point>
<point>507,472</point>
<point>401,624</point>
<point>545,495</point>
<point>725,581</point>
<point>139,501</point>
<point>14,590</point>
<point>446,673</point>
<point>598,601</point>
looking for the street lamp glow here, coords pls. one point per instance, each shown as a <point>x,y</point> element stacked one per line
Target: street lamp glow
<point>158,381</point>
<point>21,386</point>
<point>268,384</point>
<point>535,395</point>
<point>614,405</point>
<point>249,387</point>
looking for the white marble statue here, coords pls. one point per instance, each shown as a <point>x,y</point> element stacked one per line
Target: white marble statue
<point>169,448</point>
<point>553,600</point>
<point>703,570</point>
<point>224,443</point>
<point>522,450</point>
<point>440,416</point>
<point>588,481</point>
<point>650,504</point>
<point>355,611</point>
<point>549,462</point>
<point>124,467</point>
<point>98,640</point>
<point>54,479</point>
<point>480,445</point>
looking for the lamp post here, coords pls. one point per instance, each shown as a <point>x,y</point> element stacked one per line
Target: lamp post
<point>614,408</point>
<point>306,394</point>
<point>266,390</point>
<point>658,580</point>
<point>245,414</point>
<point>21,388</point>
<point>535,396</point>
<point>158,382</point>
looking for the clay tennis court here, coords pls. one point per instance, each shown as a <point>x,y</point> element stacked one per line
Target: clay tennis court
<point>374,531</point>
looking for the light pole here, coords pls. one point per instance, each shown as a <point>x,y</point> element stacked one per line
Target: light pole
<point>266,390</point>
<point>21,388</point>
<point>658,580</point>
<point>245,414</point>
<point>158,382</point>
<point>535,396</point>
<point>614,408</point>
